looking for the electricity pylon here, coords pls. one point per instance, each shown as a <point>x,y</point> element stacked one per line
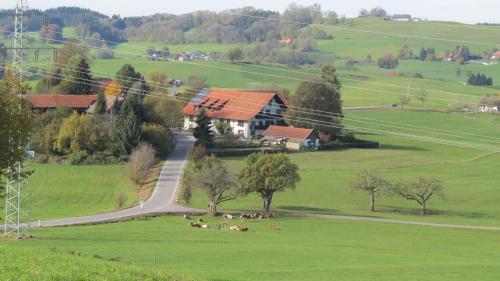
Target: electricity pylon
<point>16,218</point>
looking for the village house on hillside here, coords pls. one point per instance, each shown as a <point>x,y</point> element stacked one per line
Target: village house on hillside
<point>249,113</point>
<point>80,103</point>
<point>293,138</point>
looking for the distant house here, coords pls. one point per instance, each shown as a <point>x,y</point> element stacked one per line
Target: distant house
<point>79,103</point>
<point>249,113</point>
<point>401,17</point>
<point>488,108</point>
<point>495,56</point>
<point>293,138</point>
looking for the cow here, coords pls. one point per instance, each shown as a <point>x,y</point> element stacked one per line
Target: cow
<point>205,226</point>
<point>238,228</point>
<point>223,226</point>
<point>274,227</point>
<point>186,217</point>
<point>194,225</point>
<point>200,220</point>
<point>227,217</point>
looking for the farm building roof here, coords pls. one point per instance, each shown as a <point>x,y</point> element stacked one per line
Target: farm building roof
<point>230,104</point>
<point>287,132</point>
<point>53,101</point>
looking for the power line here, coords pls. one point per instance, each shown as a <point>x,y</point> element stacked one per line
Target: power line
<point>328,114</point>
<point>383,132</point>
<point>284,69</point>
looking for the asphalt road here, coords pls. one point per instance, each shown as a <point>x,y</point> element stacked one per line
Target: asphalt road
<point>162,199</point>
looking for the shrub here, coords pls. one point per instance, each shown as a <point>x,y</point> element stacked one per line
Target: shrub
<point>159,137</point>
<point>141,161</point>
<point>78,157</point>
<point>388,62</point>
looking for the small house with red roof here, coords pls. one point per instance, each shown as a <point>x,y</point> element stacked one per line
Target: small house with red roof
<point>293,138</point>
<point>496,56</point>
<point>249,113</point>
<point>81,103</point>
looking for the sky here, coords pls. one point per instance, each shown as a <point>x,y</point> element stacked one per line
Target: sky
<point>468,11</point>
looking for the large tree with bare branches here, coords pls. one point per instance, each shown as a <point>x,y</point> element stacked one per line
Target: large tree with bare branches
<point>372,183</point>
<point>420,191</point>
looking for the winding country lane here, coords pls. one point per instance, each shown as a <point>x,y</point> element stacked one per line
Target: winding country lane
<point>162,199</point>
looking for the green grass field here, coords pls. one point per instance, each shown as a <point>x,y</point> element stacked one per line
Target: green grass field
<point>471,183</point>
<point>304,249</point>
<point>59,191</point>
<point>42,265</point>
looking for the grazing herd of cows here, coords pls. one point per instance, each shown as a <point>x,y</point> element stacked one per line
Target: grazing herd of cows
<point>225,224</point>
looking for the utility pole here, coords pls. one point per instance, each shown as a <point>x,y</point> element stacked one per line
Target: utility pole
<point>14,213</point>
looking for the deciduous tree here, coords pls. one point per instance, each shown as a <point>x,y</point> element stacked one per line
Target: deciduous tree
<point>214,178</point>
<point>372,183</point>
<point>141,161</point>
<point>322,95</point>
<point>420,191</point>
<point>15,124</point>
<point>267,174</point>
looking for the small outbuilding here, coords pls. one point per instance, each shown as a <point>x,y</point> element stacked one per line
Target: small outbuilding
<point>293,138</point>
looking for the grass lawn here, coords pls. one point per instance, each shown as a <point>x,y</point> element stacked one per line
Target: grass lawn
<point>469,175</point>
<point>47,265</point>
<point>304,249</point>
<point>60,191</point>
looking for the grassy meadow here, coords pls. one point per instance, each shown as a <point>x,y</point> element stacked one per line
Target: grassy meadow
<point>60,191</point>
<point>469,175</point>
<point>304,249</point>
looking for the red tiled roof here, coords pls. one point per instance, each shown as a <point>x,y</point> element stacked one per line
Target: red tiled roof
<point>496,54</point>
<point>232,104</point>
<point>287,132</point>
<point>53,101</point>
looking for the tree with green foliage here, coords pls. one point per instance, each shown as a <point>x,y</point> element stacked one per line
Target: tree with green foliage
<point>128,126</point>
<point>329,75</point>
<point>126,77</point>
<point>323,95</point>
<point>16,123</point>
<point>404,100</point>
<point>423,54</point>
<point>214,178</point>
<point>388,62</point>
<point>74,134</point>
<point>420,191</point>
<point>158,136</point>
<point>479,80</point>
<point>372,183</point>
<point>267,174</point>
<point>127,133</point>
<point>203,131</point>
<point>100,107</point>
<point>235,54</point>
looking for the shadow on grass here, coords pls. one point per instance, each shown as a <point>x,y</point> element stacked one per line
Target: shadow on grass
<point>401,147</point>
<point>435,212</point>
<point>309,209</point>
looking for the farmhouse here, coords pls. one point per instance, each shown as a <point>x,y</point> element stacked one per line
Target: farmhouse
<point>80,103</point>
<point>401,17</point>
<point>249,113</point>
<point>496,56</point>
<point>293,138</point>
